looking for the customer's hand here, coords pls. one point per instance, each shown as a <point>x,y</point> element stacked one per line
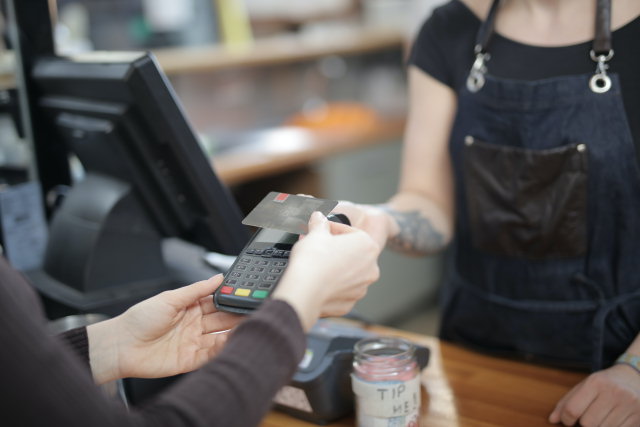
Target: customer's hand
<point>329,270</point>
<point>173,332</point>
<point>371,219</point>
<point>607,398</point>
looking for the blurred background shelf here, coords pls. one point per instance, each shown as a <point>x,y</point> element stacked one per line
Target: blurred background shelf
<point>279,150</point>
<point>277,50</point>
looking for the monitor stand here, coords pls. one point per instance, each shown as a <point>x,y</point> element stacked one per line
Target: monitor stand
<point>104,254</point>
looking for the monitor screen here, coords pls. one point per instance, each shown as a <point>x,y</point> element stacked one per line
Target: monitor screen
<point>146,176</point>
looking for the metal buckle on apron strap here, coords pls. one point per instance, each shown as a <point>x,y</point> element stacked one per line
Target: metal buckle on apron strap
<point>601,52</point>
<point>600,82</point>
<point>476,79</point>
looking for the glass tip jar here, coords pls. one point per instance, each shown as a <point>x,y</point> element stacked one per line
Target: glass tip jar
<point>386,383</point>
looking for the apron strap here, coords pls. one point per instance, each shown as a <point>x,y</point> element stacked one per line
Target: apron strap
<point>475,80</point>
<point>602,40</point>
<point>486,29</point>
<point>601,50</point>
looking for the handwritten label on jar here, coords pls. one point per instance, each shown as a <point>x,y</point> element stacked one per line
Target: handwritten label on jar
<point>388,399</point>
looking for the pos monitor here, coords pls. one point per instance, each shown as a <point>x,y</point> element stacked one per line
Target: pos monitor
<point>146,180</point>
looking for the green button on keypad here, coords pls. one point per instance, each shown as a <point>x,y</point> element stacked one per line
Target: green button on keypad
<point>260,294</point>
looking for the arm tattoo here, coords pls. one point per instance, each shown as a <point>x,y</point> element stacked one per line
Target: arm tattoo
<point>417,234</point>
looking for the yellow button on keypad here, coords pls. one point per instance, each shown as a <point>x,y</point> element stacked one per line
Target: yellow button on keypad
<point>243,292</point>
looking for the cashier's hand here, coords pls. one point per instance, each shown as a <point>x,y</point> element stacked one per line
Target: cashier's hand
<point>608,398</point>
<point>173,332</point>
<point>370,219</point>
<point>329,270</point>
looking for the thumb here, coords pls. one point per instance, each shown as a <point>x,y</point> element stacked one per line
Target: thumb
<point>188,294</point>
<point>318,223</point>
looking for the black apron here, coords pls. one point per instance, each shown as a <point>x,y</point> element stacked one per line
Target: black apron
<point>547,230</point>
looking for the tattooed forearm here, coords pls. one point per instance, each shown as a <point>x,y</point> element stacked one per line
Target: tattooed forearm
<point>417,234</point>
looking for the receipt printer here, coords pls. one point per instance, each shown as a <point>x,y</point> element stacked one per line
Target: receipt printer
<point>320,391</point>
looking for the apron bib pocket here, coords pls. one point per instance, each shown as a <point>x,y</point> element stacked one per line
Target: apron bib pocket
<point>524,202</point>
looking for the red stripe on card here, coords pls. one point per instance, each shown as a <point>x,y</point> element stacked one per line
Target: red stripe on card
<point>281,197</point>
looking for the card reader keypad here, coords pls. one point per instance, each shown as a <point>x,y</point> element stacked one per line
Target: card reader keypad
<point>253,277</point>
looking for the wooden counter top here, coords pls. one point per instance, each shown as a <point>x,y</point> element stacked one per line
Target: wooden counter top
<point>466,389</point>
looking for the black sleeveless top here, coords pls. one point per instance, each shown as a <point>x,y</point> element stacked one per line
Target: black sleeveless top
<point>444,50</point>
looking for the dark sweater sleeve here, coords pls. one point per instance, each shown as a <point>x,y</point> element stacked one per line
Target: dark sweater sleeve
<point>236,389</point>
<point>45,383</point>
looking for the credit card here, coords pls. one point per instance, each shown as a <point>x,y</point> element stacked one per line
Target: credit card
<point>287,212</point>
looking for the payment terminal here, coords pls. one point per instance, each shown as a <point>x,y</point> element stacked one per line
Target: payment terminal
<point>257,270</point>
<point>320,390</point>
